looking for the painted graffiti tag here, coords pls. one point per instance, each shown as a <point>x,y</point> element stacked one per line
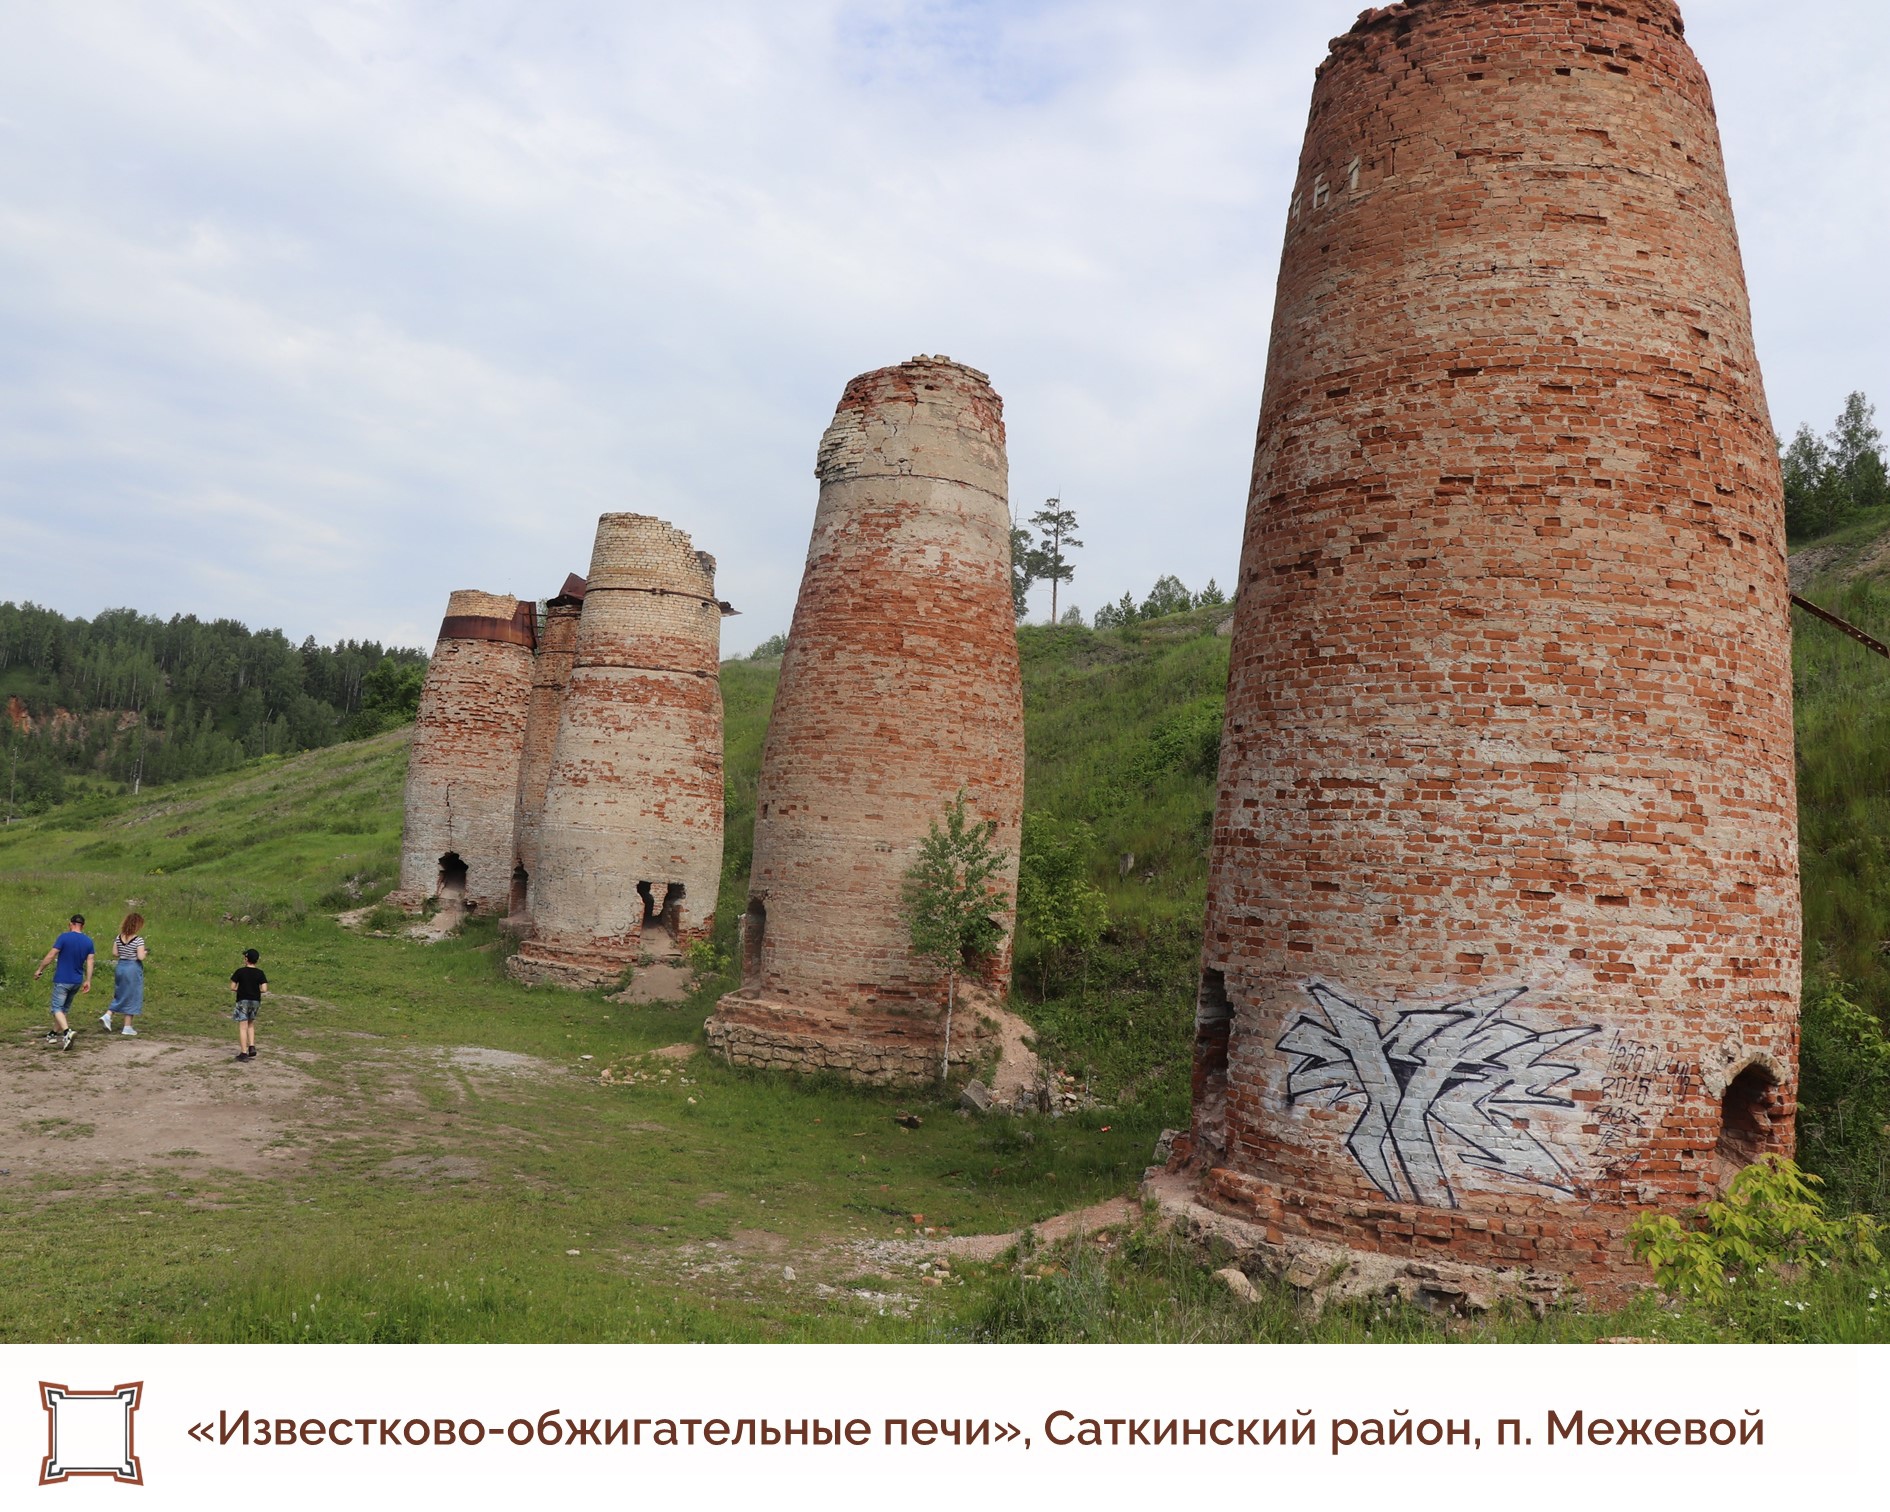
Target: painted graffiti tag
<point>1463,1070</point>
<point>1637,1083</point>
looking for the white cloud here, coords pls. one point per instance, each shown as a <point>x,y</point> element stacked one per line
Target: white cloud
<point>380,301</point>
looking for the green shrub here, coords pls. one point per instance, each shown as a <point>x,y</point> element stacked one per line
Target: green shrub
<point>1060,913</point>
<point>1843,1096</point>
<point>1762,1234</point>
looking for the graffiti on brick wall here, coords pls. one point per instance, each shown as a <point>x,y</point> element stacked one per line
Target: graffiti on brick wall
<point>1441,1089</point>
<point>1638,1083</point>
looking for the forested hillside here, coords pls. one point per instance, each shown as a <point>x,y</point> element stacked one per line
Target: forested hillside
<point>129,699</point>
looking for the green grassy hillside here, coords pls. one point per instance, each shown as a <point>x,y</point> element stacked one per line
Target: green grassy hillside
<point>427,1150</point>
<point>381,1146</point>
<point>1122,730</point>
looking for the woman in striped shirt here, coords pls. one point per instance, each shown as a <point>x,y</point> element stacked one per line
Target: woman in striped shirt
<point>128,980</point>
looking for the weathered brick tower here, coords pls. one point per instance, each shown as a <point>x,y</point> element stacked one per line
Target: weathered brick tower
<point>468,741</point>
<point>629,846</point>
<point>551,674</point>
<point>1502,935</point>
<point>899,687</point>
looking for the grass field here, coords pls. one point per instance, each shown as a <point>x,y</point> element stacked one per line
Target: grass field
<point>427,1151</point>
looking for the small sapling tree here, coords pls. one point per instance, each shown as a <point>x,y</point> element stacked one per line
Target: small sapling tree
<point>949,897</point>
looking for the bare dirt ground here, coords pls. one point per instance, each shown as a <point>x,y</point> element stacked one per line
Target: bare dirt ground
<point>136,1105</point>
<point>662,982</point>
<point>890,1276</point>
<point>1018,1069</point>
<point>1803,566</point>
<point>154,1112</point>
<point>144,1107</point>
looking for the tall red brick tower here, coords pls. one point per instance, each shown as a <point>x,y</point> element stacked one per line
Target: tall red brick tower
<point>1503,931</point>
<point>468,743</point>
<point>899,687</point>
<point>551,674</point>
<point>629,846</point>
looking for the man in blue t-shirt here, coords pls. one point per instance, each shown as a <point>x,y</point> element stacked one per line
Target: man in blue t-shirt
<point>75,954</point>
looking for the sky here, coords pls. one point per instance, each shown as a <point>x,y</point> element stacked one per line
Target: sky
<point>310,314</point>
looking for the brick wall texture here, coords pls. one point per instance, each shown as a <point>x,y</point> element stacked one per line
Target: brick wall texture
<point>468,743</point>
<point>551,674</point>
<point>899,686</point>
<point>1502,937</point>
<point>632,821</point>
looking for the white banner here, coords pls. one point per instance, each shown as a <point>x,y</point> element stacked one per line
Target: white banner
<point>203,1426</point>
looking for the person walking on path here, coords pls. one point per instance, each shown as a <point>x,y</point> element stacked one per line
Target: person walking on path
<point>76,954</point>
<point>128,975</point>
<point>250,985</point>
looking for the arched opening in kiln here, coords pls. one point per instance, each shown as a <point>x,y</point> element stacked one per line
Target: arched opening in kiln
<point>1213,1028</point>
<point>754,931</point>
<point>452,880</point>
<point>1747,1118</point>
<point>521,889</point>
<point>667,914</point>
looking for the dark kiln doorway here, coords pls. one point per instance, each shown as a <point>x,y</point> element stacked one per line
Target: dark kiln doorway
<point>452,881</point>
<point>668,914</point>
<point>1747,1119</point>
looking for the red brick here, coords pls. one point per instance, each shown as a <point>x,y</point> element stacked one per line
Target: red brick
<point>899,687</point>
<point>1511,653</point>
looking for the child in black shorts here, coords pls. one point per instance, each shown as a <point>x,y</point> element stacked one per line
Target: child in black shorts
<point>250,986</point>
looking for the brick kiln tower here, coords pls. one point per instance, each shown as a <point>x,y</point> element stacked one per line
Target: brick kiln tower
<point>629,847</point>
<point>468,741</point>
<point>551,674</point>
<point>1503,931</point>
<point>900,686</point>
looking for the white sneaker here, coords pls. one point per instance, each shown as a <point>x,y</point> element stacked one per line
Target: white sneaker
<point>129,1030</point>
<point>106,1020</point>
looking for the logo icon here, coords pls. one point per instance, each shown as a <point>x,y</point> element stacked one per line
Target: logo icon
<point>90,1433</point>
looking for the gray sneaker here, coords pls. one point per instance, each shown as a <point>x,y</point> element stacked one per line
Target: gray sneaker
<point>106,1019</point>
<point>129,1031</point>
<point>66,1039</point>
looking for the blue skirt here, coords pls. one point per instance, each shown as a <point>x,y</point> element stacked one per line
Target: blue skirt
<point>128,988</point>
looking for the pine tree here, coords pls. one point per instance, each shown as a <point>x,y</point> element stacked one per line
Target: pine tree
<point>1855,447</point>
<point>1056,535</point>
<point>1024,571</point>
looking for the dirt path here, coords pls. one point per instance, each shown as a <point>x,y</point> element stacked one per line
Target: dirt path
<point>140,1104</point>
<point>451,915</point>
<point>147,1107</point>
<point>1114,1213</point>
<point>1018,1069</point>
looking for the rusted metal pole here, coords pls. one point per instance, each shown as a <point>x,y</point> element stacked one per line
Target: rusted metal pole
<point>1845,625</point>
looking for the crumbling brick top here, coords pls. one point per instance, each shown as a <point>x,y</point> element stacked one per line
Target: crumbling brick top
<point>928,416</point>
<point>472,603</point>
<point>475,616</point>
<point>641,551</point>
<point>1394,19</point>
